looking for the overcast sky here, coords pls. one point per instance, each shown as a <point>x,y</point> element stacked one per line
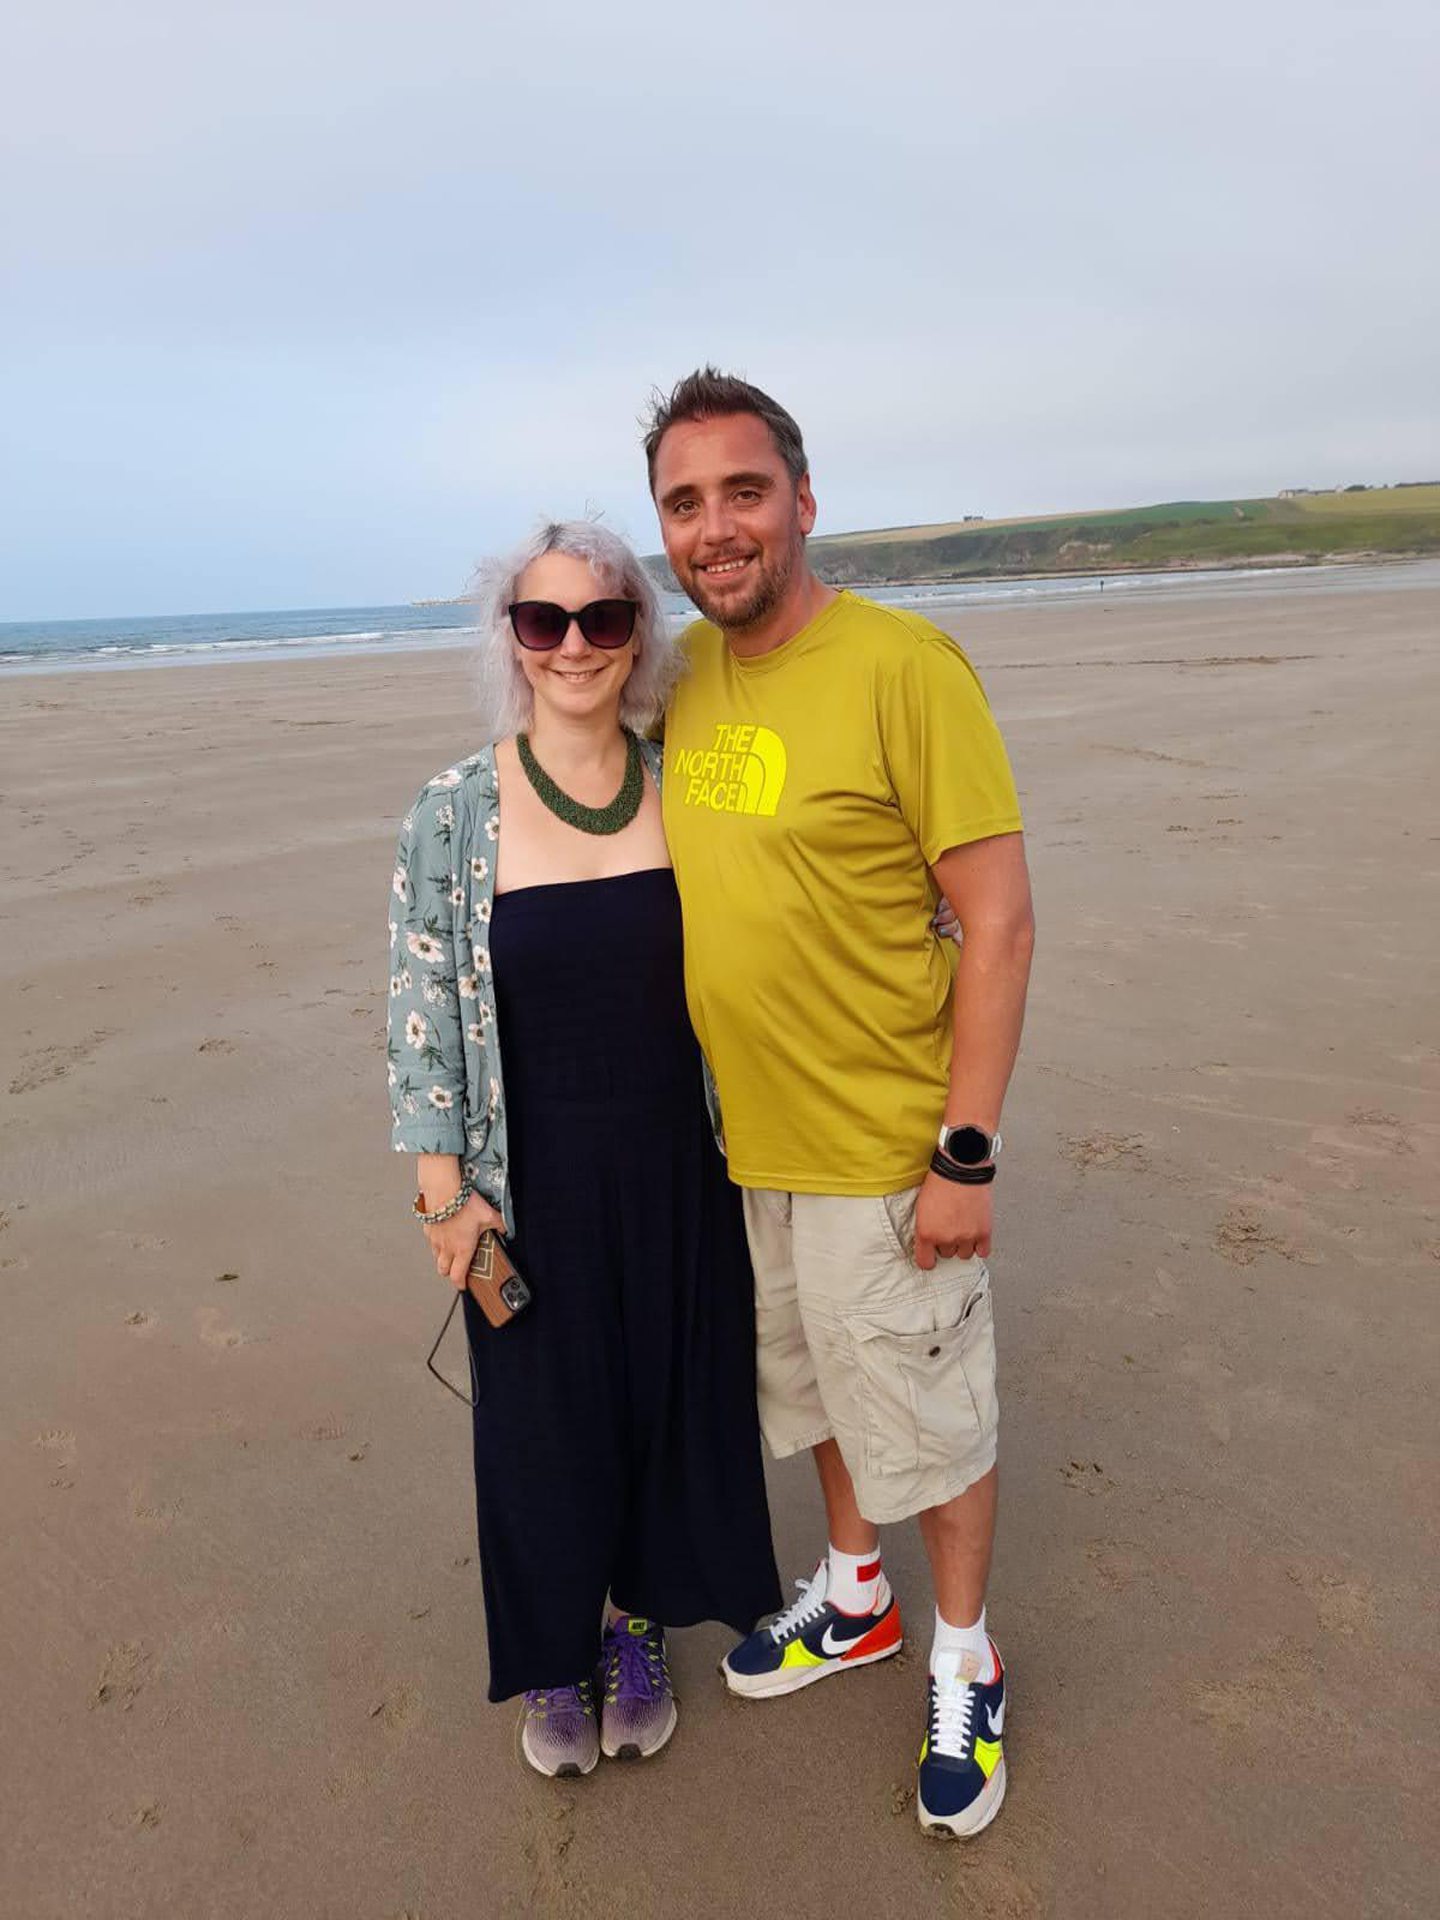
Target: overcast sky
<point>314,303</point>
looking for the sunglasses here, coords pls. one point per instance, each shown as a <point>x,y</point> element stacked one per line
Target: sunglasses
<point>540,624</point>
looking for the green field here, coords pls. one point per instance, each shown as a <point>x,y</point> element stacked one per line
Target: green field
<point>1306,528</point>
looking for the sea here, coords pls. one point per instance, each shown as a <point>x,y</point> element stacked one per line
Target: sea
<point>43,646</point>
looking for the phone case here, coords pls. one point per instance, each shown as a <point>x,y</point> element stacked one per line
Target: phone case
<point>500,1292</point>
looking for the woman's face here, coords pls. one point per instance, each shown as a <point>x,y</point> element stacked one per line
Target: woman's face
<point>574,680</point>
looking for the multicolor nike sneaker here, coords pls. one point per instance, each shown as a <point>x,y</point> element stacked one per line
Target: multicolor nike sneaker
<point>811,1638</point>
<point>962,1764</point>
<point>637,1714</point>
<point>559,1734</point>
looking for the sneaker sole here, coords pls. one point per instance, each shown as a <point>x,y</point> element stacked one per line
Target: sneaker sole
<point>766,1686</point>
<point>976,1817</point>
<point>567,1769</point>
<point>633,1750</point>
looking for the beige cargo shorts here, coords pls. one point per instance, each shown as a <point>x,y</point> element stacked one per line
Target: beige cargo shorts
<point>854,1342</point>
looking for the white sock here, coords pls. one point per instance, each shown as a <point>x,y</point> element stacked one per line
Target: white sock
<point>854,1582</point>
<point>974,1641</point>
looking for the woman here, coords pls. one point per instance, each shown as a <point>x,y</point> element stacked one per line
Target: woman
<point>616,1441</point>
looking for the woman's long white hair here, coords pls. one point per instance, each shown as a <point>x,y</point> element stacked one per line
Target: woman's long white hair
<point>507,704</point>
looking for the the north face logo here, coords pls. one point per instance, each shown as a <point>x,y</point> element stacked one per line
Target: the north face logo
<point>744,772</point>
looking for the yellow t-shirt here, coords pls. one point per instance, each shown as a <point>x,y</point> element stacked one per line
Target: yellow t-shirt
<point>806,793</point>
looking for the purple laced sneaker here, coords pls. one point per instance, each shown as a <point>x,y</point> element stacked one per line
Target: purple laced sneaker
<point>558,1734</point>
<point>638,1714</point>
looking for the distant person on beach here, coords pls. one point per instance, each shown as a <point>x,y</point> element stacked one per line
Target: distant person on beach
<point>831,767</point>
<point>535,921</point>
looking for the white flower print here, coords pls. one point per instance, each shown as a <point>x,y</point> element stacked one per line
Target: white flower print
<point>397,883</point>
<point>479,868</point>
<point>405,980</point>
<point>433,991</point>
<point>393,931</point>
<point>407,825</point>
<point>424,946</point>
<point>416,1031</point>
<point>475,1033</point>
<point>457,896</point>
<point>410,1104</point>
<point>442,1098</point>
<point>390,1074</point>
<point>395,987</point>
<point>492,827</point>
<point>482,959</point>
<point>469,986</point>
<point>482,912</point>
<point>494,1101</point>
<point>451,777</point>
<point>445,816</point>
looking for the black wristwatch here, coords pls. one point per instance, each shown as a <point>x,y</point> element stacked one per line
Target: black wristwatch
<point>969,1146</point>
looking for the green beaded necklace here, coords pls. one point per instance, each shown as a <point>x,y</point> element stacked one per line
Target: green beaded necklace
<point>608,819</point>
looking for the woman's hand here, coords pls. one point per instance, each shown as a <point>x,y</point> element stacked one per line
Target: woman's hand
<point>945,922</point>
<point>453,1242</point>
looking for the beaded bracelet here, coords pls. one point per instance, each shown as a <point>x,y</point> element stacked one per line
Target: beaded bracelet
<point>441,1214</point>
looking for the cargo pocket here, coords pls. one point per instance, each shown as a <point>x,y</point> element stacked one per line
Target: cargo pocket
<point>925,1374</point>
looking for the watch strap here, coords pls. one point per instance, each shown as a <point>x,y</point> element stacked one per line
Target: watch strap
<point>949,1169</point>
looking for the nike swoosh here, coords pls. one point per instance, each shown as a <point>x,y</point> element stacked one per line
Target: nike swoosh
<point>996,1717</point>
<point>834,1647</point>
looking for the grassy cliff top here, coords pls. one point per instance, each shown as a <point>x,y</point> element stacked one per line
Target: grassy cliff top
<point>1295,528</point>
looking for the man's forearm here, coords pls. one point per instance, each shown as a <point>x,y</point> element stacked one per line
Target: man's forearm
<point>989,1012</point>
<point>988,885</point>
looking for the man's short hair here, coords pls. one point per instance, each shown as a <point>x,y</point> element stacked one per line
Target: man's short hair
<point>708,394</point>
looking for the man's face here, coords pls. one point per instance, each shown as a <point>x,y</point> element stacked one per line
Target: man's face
<point>733,520</point>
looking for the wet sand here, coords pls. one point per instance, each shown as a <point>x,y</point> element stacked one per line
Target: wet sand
<point>243,1652</point>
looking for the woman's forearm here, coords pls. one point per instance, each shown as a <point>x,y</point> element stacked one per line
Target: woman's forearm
<point>438,1176</point>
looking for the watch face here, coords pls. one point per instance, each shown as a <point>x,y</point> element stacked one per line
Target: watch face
<point>968,1145</point>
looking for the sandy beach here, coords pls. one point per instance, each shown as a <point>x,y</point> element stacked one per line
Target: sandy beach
<point>243,1648</point>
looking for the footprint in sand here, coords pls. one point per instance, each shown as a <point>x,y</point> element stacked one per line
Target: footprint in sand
<point>549,1837</point>
<point>1344,1607</point>
<point>394,1708</point>
<point>1386,1130</point>
<point>138,1242</point>
<point>59,1440</point>
<point>122,1677</point>
<point>139,1319</point>
<point>1240,1238</point>
<point>40,1068</point>
<point>215,1334</point>
<point>1127,1150</point>
<point>158,1515</point>
<point>1283,1691</point>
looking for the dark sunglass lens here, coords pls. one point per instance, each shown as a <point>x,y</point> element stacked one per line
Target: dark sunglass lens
<point>539,623</point>
<point>608,623</point>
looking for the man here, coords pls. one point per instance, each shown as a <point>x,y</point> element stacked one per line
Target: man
<point>831,767</point>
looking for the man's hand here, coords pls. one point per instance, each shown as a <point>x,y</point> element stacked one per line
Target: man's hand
<point>951,1221</point>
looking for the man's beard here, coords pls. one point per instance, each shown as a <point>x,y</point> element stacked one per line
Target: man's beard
<point>738,616</point>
